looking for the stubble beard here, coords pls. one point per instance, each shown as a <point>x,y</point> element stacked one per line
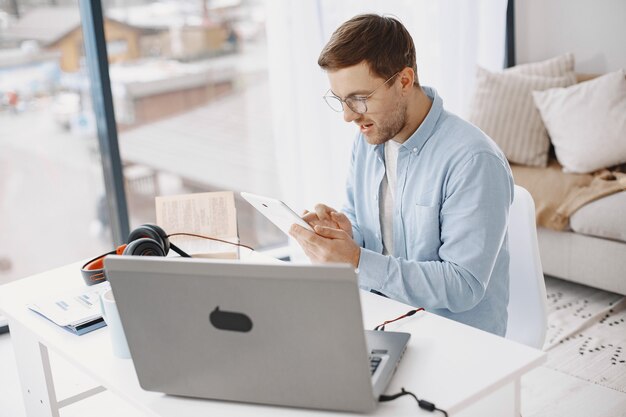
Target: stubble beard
<point>390,128</point>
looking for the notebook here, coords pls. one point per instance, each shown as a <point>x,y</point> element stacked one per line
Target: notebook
<point>77,311</point>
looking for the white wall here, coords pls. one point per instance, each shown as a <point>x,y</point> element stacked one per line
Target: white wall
<point>594,30</point>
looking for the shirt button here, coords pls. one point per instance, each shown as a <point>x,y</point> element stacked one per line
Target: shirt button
<point>377,236</point>
<point>375,197</point>
<point>414,150</point>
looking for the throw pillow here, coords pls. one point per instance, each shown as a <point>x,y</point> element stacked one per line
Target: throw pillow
<point>503,108</point>
<point>554,67</point>
<point>587,122</point>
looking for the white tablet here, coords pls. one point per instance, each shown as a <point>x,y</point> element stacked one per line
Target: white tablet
<point>276,211</point>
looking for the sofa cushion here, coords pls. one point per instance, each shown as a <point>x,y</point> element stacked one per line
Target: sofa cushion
<point>503,108</point>
<point>602,218</point>
<point>587,122</point>
<point>553,67</point>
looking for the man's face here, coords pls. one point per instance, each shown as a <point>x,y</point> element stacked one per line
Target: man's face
<point>386,108</point>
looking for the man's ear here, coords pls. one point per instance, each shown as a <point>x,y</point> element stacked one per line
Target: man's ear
<point>407,78</point>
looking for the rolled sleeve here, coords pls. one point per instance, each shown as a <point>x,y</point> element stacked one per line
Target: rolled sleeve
<point>373,269</point>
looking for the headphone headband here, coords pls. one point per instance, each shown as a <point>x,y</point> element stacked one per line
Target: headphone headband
<point>145,240</point>
<point>93,270</point>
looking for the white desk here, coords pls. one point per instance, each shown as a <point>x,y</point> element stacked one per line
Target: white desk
<point>462,370</point>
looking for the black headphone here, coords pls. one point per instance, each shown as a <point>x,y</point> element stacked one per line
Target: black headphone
<point>146,240</point>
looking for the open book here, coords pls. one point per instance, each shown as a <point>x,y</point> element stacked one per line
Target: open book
<point>208,214</point>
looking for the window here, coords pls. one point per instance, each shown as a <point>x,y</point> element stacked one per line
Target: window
<point>51,187</point>
<point>192,106</point>
<point>190,90</point>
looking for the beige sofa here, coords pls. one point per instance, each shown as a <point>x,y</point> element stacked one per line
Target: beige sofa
<point>593,249</point>
<point>580,203</point>
<point>585,245</point>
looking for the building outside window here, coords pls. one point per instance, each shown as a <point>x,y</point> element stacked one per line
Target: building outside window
<point>190,90</point>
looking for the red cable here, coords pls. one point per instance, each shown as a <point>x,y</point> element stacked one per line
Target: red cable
<point>210,238</point>
<point>410,313</point>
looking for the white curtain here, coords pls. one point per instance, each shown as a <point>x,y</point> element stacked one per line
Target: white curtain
<point>312,142</point>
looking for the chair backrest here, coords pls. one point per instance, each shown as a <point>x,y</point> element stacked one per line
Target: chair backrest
<point>527,307</point>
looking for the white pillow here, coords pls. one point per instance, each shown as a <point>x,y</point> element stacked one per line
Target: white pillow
<point>553,67</point>
<point>503,108</point>
<point>587,122</point>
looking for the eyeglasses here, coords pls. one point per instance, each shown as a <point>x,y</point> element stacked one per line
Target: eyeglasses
<point>355,103</point>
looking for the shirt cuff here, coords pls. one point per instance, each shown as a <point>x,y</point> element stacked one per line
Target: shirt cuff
<point>372,270</point>
<point>356,236</point>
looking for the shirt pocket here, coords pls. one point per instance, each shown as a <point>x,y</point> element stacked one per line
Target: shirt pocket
<point>423,234</point>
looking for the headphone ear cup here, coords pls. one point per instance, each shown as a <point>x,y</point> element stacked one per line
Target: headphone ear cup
<point>162,236</point>
<point>151,231</point>
<point>144,247</point>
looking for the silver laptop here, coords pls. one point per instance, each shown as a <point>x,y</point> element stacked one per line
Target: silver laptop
<point>278,334</point>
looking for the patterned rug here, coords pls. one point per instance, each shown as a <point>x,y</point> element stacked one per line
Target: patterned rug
<point>586,333</point>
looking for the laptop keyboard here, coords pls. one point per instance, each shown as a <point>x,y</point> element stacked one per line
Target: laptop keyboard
<point>374,363</point>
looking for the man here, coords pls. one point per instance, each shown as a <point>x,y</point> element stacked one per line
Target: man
<point>428,194</point>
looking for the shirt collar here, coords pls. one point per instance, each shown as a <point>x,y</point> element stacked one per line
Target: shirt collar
<point>425,130</point>
<point>419,138</point>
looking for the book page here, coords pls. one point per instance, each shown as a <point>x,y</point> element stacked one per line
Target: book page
<point>208,214</point>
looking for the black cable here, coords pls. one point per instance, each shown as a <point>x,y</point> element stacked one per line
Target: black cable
<point>381,327</point>
<point>179,251</point>
<point>423,404</point>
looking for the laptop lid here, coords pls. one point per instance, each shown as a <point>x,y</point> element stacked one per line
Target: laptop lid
<point>273,334</point>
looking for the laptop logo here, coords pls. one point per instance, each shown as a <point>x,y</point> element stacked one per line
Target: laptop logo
<point>230,320</point>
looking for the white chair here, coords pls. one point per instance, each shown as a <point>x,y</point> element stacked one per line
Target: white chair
<point>527,308</point>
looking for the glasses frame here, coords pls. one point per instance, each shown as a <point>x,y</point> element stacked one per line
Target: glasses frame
<point>352,99</point>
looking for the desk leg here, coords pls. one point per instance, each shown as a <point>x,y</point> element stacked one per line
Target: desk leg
<point>35,373</point>
<point>518,397</point>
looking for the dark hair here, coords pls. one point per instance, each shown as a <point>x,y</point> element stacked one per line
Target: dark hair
<point>382,42</point>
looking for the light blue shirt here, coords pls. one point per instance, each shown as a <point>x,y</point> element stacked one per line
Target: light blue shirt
<point>452,198</point>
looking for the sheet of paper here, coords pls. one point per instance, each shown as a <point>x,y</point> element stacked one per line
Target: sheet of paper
<point>208,214</point>
<point>72,308</point>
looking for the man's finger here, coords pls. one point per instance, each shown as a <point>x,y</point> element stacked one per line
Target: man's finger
<point>300,233</point>
<point>330,233</point>
<point>343,221</point>
<point>308,241</point>
<point>323,211</point>
<point>341,218</point>
<point>295,231</point>
<point>339,215</point>
<point>309,217</point>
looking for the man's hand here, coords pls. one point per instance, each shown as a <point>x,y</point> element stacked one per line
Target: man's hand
<point>327,244</point>
<point>328,217</point>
